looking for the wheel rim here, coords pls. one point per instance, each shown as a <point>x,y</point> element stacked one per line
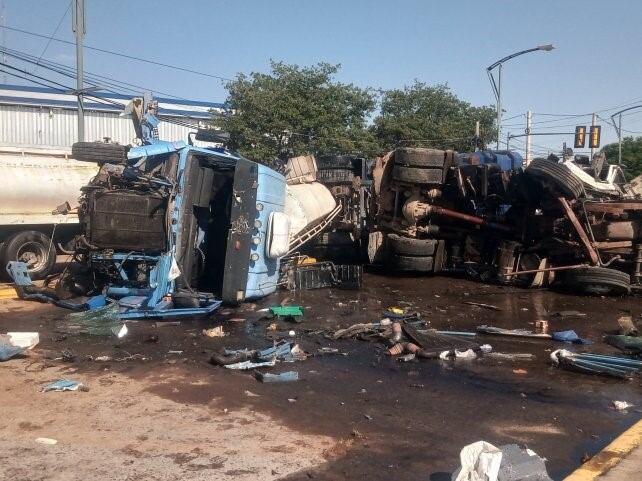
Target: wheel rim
<point>33,254</point>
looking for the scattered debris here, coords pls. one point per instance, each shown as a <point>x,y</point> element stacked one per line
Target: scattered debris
<point>481,461</point>
<point>570,337</point>
<point>25,340</point>
<point>103,321</point>
<point>7,351</point>
<point>103,358</point>
<point>483,305</point>
<point>498,331</point>
<point>288,376</point>
<point>541,327</point>
<point>250,359</point>
<point>251,394</point>
<point>520,371</point>
<point>245,365</point>
<point>513,356</point>
<point>65,385</point>
<point>214,332</point>
<point>627,328</point>
<point>47,441</point>
<point>287,313</point>
<point>628,344</point>
<point>614,366</point>
<point>568,314</point>
<point>622,405</point>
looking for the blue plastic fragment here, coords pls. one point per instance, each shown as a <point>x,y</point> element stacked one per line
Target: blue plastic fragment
<point>62,385</point>
<point>570,337</point>
<point>7,351</point>
<point>95,302</point>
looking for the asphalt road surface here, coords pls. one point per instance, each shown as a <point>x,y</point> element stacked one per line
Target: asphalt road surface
<point>154,414</point>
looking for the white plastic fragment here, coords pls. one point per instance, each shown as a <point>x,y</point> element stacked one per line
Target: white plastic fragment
<point>480,461</point>
<point>486,348</point>
<point>120,331</point>
<point>25,340</point>
<point>250,365</point>
<point>48,441</point>
<point>621,405</point>
<point>467,354</point>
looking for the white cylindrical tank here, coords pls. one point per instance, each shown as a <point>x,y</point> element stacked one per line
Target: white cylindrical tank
<point>36,181</point>
<point>307,204</point>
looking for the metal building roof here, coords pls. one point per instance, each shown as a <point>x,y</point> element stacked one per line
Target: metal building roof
<point>53,98</point>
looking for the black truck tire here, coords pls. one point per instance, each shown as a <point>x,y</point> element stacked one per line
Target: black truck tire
<point>557,176</point>
<point>411,263</point>
<point>335,176</point>
<point>326,162</point>
<point>597,281</point>
<point>421,176</point>
<point>100,152</point>
<point>34,249</point>
<point>420,157</point>
<point>407,246</point>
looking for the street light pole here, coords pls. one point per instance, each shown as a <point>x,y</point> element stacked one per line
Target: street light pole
<point>499,104</point>
<point>78,23</point>
<point>497,86</point>
<point>618,129</point>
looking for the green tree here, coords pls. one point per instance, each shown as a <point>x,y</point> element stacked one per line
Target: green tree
<point>631,155</point>
<point>423,115</point>
<point>296,110</point>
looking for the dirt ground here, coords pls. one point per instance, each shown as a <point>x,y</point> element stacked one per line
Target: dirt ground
<point>154,414</point>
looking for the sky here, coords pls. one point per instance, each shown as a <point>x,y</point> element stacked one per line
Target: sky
<point>596,64</point>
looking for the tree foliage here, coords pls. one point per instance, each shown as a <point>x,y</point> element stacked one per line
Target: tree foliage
<point>296,110</point>
<point>631,155</point>
<point>421,114</point>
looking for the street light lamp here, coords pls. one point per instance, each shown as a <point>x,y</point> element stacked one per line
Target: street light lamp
<point>497,86</point>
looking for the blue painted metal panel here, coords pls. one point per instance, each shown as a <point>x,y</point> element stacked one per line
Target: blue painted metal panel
<point>264,272</point>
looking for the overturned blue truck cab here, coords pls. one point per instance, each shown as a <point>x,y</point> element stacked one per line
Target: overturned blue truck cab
<point>172,230</point>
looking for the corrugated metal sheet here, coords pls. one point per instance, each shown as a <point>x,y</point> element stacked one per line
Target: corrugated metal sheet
<point>52,127</point>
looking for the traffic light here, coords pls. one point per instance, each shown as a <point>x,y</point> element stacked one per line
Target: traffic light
<point>594,136</point>
<point>580,137</point>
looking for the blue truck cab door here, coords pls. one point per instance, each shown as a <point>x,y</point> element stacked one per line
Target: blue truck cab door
<point>258,198</point>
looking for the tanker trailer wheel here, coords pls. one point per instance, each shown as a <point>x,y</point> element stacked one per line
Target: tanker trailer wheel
<point>596,281</point>
<point>416,255</point>
<point>556,177</point>
<point>34,249</point>
<point>100,152</point>
<point>421,157</point>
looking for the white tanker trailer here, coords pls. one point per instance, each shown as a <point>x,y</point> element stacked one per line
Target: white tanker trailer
<point>33,183</point>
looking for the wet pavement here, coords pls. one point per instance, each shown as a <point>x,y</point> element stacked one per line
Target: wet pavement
<point>392,419</point>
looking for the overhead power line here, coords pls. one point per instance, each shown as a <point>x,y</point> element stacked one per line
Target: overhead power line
<point>118,54</point>
<point>54,33</point>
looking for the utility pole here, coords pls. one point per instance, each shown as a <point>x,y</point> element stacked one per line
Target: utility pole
<point>507,140</point>
<point>3,39</point>
<point>78,27</point>
<point>564,152</point>
<point>619,140</point>
<point>529,118</point>
<point>593,124</point>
